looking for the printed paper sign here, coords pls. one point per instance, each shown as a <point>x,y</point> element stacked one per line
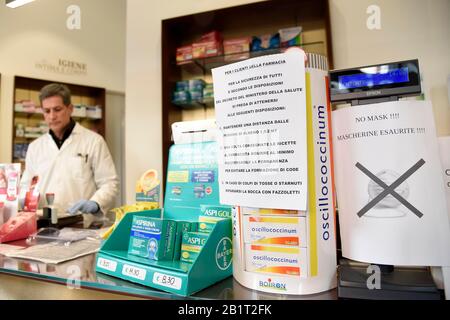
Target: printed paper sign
<point>261,113</point>
<point>444,148</point>
<point>391,197</point>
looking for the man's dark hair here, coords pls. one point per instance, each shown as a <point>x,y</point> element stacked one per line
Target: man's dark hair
<point>55,89</point>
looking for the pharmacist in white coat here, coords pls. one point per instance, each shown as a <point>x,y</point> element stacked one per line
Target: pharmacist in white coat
<point>72,162</point>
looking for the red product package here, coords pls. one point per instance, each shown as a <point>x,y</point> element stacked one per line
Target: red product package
<point>32,196</point>
<point>211,36</point>
<point>237,49</point>
<point>184,54</point>
<point>206,49</point>
<point>237,45</point>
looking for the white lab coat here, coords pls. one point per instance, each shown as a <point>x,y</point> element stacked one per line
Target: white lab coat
<point>82,169</point>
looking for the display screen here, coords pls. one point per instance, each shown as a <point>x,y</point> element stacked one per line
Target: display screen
<point>395,79</point>
<point>359,80</point>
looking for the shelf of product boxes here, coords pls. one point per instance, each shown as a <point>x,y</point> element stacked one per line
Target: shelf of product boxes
<point>206,64</point>
<point>28,114</point>
<point>195,44</point>
<point>28,118</point>
<point>41,116</point>
<point>24,139</point>
<point>193,104</point>
<point>193,93</point>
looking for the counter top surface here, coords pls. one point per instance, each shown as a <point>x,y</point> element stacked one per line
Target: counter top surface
<point>82,269</point>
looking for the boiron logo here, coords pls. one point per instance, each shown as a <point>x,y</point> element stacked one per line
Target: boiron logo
<point>270,284</point>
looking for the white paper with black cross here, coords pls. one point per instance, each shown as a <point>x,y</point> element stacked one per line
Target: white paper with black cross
<point>389,184</point>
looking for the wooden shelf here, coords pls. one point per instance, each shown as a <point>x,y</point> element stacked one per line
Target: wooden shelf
<point>254,19</point>
<point>194,104</point>
<point>28,89</point>
<point>28,114</point>
<point>24,139</point>
<point>205,65</point>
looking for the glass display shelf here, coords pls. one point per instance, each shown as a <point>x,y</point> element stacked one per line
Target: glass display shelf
<point>41,116</point>
<point>204,65</point>
<point>25,114</point>
<point>195,104</point>
<point>19,139</point>
<point>228,289</point>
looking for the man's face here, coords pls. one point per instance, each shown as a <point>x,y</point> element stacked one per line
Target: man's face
<point>56,113</point>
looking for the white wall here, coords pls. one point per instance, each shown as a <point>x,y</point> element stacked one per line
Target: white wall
<point>143,79</point>
<point>38,31</point>
<point>409,29</point>
<point>115,136</point>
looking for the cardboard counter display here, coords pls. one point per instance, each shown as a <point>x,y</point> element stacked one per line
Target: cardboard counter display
<point>191,184</point>
<point>297,260</point>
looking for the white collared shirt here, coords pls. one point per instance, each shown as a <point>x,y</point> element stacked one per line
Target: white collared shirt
<point>82,169</point>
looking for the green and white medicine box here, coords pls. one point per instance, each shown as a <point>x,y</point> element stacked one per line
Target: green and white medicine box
<point>152,238</point>
<point>182,226</point>
<point>206,225</point>
<point>192,244</point>
<point>215,212</point>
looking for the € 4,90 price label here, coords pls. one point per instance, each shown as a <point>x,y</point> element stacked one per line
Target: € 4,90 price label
<point>167,281</point>
<point>134,272</point>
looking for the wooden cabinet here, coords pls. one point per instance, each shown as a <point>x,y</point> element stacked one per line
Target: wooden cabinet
<point>28,120</point>
<point>265,17</point>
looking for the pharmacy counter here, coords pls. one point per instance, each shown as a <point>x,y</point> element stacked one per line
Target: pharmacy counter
<point>77,279</point>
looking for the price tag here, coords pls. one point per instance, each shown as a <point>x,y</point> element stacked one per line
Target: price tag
<point>134,272</point>
<point>167,281</point>
<point>107,264</point>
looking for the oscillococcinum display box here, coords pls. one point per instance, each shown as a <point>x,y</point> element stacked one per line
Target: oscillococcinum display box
<point>280,260</point>
<point>275,230</point>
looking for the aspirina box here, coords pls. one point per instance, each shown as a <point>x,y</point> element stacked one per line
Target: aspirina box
<point>316,259</point>
<point>152,238</point>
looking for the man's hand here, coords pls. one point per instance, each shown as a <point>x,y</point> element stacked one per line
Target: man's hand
<point>85,206</point>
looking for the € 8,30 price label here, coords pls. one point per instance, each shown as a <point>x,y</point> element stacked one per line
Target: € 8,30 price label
<point>167,281</point>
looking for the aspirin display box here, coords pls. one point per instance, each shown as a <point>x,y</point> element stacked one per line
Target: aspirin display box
<point>275,230</point>
<point>152,238</point>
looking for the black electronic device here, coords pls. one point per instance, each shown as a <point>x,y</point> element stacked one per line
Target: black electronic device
<point>66,221</point>
<point>367,85</point>
<point>375,83</point>
<point>402,283</point>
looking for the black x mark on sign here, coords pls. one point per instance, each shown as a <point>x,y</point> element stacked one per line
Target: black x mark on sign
<point>390,189</point>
